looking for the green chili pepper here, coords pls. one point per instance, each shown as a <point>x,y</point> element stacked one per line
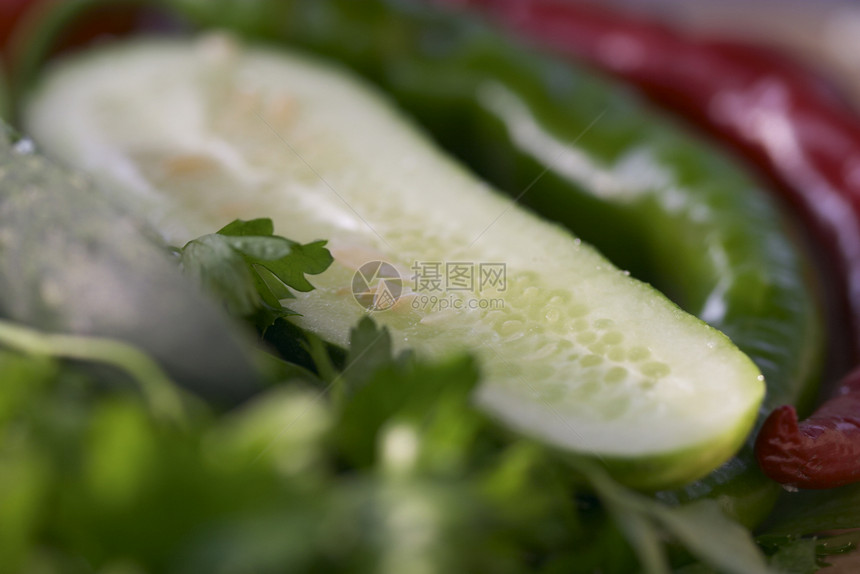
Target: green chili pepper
<point>584,151</point>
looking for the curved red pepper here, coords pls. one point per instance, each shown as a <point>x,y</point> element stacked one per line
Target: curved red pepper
<point>806,140</point>
<point>17,16</point>
<point>821,452</point>
<point>10,12</point>
<point>787,121</point>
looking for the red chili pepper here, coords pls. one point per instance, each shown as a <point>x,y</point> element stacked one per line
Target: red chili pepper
<point>10,12</point>
<point>16,16</point>
<point>804,138</point>
<point>821,452</point>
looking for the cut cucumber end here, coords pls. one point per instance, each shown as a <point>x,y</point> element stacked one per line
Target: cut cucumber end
<point>675,469</point>
<point>574,352</point>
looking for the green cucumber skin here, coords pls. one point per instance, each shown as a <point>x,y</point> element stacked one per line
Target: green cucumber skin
<point>70,262</point>
<point>435,64</point>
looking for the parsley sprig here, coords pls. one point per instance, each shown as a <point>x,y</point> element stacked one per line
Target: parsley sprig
<point>249,268</point>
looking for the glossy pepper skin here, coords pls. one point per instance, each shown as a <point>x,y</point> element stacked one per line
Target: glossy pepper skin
<point>590,154</point>
<point>823,451</point>
<point>780,116</point>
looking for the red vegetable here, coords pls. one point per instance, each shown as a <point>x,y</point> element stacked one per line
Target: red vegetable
<point>18,19</point>
<point>803,137</point>
<point>10,12</point>
<point>821,452</point>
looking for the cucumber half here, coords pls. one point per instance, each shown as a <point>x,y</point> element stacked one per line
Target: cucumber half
<point>574,352</point>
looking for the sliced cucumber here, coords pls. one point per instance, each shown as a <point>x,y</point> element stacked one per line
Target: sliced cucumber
<point>574,352</point>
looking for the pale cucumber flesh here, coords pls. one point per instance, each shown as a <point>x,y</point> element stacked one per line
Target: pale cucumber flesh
<point>196,134</point>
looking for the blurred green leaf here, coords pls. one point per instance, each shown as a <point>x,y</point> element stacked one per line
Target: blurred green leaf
<point>796,557</point>
<point>284,428</point>
<point>250,269</point>
<point>812,511</point>
<point>715,539</point>
<point>25,480</point>
<point>403,394</point>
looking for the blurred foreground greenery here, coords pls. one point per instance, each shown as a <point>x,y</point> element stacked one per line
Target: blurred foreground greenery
<point>381,465</point>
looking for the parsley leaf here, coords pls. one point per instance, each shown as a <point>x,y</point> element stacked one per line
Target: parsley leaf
<point>370,349</point>
<point>796,557</point>
<point>251,270</point>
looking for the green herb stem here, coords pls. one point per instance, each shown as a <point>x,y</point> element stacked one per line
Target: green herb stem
<point>161,394</point>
